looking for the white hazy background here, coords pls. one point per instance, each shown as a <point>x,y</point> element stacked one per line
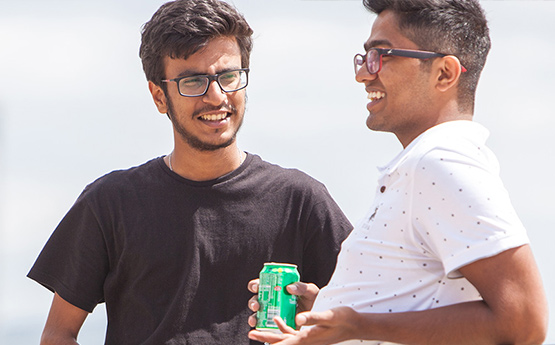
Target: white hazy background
<point>74,105</point>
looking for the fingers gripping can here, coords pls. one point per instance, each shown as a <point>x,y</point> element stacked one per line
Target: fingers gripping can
<point>273,298</point>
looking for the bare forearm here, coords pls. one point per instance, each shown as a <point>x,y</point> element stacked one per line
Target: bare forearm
<point>466,323</point>
<point>52,339</point>
<point>63,323</point>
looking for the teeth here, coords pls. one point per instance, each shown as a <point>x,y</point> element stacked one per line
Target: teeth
<point>214,117</point>
<point>375,95</point>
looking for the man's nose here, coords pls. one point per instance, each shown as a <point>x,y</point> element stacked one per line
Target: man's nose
<point>363,75</point>
<point>214,94</point>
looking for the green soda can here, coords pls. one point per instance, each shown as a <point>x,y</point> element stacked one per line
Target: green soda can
<point>273,298</point>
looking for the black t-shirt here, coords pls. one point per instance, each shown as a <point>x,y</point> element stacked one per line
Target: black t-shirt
<point>172,257</point>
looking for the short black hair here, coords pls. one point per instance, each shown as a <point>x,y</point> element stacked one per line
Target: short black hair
<point>455,27</point>
<point>183,27</point>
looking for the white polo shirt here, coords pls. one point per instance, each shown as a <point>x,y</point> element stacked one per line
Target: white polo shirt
<point>439,206</point>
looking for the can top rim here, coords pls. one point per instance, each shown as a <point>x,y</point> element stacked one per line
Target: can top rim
<point>279,264</point>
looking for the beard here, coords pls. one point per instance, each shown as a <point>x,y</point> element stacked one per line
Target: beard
<point>194,141</point>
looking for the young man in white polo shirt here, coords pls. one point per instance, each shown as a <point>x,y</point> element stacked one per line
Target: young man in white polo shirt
<point>441,257</point>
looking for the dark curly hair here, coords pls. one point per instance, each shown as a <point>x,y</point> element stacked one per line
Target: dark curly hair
<point>183,27</point>
<point>456,27</point>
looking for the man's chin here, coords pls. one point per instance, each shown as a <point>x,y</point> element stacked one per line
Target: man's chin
<point>208,147</point>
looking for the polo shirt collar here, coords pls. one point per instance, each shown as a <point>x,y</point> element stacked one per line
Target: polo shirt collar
<point>468,129</point>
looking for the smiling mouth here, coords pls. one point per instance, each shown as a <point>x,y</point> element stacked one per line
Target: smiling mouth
<point>214,117</point>
<point>374,96</point>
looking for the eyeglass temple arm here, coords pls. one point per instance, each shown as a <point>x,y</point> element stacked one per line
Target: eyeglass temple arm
<point>419,55</point>
<point>413,54</point>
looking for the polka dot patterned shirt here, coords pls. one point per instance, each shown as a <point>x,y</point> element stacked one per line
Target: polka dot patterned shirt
<point>439,205</point>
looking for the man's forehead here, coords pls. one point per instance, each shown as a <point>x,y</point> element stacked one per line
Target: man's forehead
<point>387,33</point>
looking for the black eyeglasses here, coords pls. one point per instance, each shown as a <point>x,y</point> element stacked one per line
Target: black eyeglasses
<point>373,57</point>
<point>197,85</point>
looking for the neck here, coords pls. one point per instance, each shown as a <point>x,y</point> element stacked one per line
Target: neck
<point>449,112</point>
<point>198,165</point>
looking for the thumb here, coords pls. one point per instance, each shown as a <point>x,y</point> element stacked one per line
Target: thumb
<point>303,289</point>
<point>301,319</point>
<point>312,318</point>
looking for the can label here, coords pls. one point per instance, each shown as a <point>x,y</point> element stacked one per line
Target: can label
<point>273,298</point>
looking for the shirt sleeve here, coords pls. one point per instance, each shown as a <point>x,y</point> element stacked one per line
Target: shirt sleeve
<point>461,210</point>
<point>74,261</point>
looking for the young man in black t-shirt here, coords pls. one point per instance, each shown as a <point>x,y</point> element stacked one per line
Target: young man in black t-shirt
<point>170,245</point>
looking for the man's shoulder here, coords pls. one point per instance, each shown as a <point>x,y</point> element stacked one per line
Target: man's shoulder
<point>289,176</point>
<point>132,177</point>
<point>455,142</point>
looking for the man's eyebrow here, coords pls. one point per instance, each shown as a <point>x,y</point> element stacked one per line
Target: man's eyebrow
<point>193,73</point>
<point>188,73</point>
<point>375,43</point>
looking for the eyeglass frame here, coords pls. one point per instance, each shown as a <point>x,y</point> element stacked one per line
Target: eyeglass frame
<point>211,78</point>
<point>417,54</point>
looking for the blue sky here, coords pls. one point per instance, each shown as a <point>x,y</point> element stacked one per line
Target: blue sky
<point>74,105</point>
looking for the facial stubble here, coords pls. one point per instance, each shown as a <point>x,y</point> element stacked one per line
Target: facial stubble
<point>196,142</point>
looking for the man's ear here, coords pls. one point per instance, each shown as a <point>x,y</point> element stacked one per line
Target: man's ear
<point>159,97</point>
<point>449,71</point>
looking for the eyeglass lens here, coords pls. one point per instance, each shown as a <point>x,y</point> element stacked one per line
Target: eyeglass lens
<point>359,62</point>
<point>198,85</point>
<point>372,59</point>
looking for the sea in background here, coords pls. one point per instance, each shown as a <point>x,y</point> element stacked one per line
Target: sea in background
<point>74,105</point>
